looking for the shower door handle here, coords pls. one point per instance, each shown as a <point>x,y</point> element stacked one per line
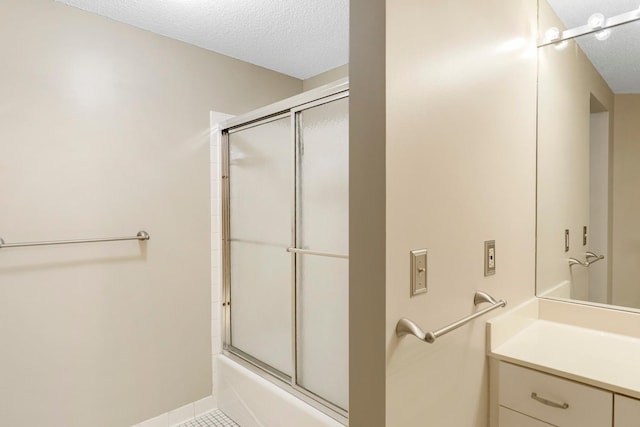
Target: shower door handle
<point>318,253</point>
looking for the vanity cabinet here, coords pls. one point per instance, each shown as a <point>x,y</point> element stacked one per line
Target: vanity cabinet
<point>627,412</point>
<point>529,398</point>
<point>551,400</point>
<point>511,418</point>
<point>563,375</point>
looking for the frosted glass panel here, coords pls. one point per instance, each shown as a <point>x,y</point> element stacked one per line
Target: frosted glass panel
<point>261,180</point>
<point>323,225</point>
<point>323,331</point>
<point>324,177</point>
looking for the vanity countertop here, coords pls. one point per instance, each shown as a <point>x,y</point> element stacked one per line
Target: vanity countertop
<point>601,359</point>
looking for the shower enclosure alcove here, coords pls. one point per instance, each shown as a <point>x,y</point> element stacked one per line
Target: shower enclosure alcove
<point>285,244</point>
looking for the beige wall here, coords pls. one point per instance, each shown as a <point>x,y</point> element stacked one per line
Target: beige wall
<point>327,77</point>
<point>104,132</point>
<point>626,201</point>
<point>567,80</point>
<point>460,164</point>
<point>367,212</point>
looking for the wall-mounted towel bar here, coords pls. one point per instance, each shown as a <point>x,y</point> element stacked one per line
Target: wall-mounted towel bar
<point>142,235</point>
<point>318,253</point>
<point>590,259</point>
<point>406,326</point>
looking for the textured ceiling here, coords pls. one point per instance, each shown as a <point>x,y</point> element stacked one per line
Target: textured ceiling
<point>300,38</point>
<point>617,59</point>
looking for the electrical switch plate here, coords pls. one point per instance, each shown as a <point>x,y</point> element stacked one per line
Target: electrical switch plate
<point>418,271</point>
<point>489,257</point>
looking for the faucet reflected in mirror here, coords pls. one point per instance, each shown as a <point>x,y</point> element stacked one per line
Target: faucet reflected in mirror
<point>589,152</point>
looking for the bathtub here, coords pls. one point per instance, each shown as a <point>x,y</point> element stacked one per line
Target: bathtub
<point>253,401</point>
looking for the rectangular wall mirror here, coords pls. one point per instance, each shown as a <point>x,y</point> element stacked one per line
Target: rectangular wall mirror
<point>588,180</point>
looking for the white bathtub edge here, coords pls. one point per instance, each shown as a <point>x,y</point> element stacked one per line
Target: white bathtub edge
<point>252,401</point>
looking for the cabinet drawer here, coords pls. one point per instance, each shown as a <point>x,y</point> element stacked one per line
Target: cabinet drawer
<point>509,418</point>
<point>627,411</point>
<point>586,406</point>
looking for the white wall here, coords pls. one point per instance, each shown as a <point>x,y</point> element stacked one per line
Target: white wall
<point>104,131</point>
<point>460,165</point>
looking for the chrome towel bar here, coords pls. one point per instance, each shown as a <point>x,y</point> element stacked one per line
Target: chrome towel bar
<point>142,235</point>
<point>590,259</point>
<point>318,253</point>
<point>406,326</point>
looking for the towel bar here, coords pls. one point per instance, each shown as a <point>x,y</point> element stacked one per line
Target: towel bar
<point>590,259</point>
<point>406,326</point>
<point>142,235</point>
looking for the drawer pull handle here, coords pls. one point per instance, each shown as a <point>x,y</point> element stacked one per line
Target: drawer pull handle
<point>547,402</point>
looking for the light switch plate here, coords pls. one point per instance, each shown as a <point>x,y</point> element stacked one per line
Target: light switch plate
<point>489,257</point>
<point>418,271</point>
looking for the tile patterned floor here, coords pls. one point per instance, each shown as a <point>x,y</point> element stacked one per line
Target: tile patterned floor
<point>214,418</point>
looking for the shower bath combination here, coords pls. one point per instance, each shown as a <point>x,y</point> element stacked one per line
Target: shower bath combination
<point>285,213</point>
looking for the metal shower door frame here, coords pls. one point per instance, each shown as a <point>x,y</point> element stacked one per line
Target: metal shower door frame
<point>291,107</point>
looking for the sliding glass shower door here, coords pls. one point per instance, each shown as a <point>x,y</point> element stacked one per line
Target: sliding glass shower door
<point>323,225</point>
<point>286,247</point>
<point>261,179</point>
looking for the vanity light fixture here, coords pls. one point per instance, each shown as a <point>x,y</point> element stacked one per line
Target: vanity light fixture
<point>552,34</point>
<point>597,24</point>
<point>561,45</point>
<point>603,34</point>
<point>597,20</point>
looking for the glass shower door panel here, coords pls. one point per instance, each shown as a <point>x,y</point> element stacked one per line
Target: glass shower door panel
<point>323,332</point>
<point>260,202</point>
<point>323,225</point>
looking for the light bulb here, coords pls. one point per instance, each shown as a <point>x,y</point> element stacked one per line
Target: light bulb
<point>596,20</point>
<point>561,45</point>
<point>603,34</point>
<point>552,34</point>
